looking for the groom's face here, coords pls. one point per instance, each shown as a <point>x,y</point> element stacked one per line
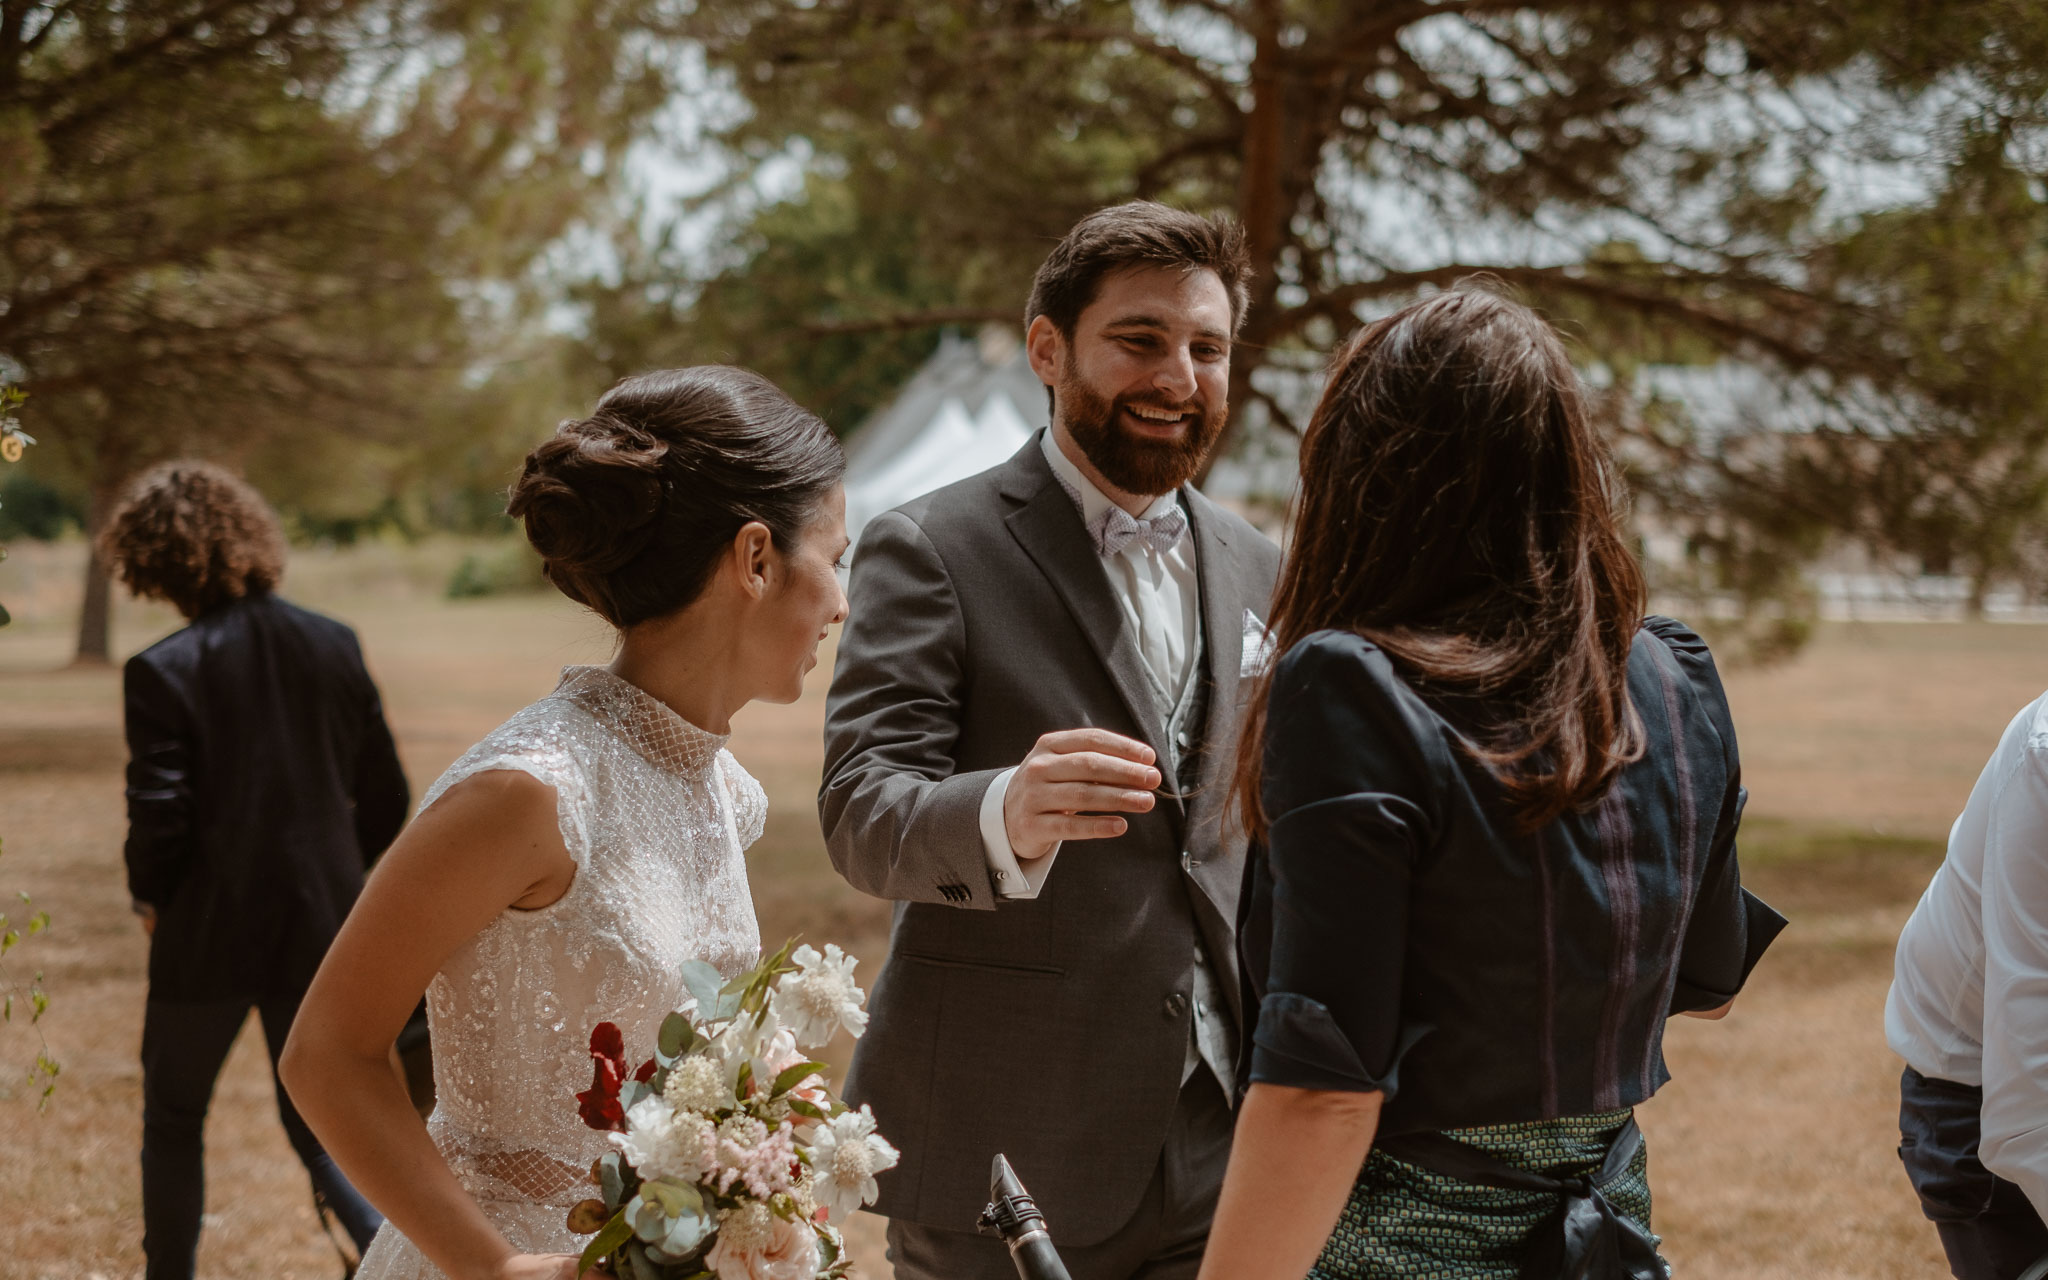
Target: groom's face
<point>1143,383</point>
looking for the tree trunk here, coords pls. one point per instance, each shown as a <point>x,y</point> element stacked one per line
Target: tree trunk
<point>1261,212</point>
<point>1980,586</point>
<point>96,615</point>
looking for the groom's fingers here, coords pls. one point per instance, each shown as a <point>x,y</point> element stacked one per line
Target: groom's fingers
<point>1070,741</point>
<point>1061,827</point>
<point>1081,797</point>
<point>1071,787</point>
<point>1090,766</point>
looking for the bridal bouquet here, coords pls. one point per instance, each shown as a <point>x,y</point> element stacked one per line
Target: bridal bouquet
<point>733,1160</point>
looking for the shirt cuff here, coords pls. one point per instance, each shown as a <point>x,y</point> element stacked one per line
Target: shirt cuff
<point>1013,879</point>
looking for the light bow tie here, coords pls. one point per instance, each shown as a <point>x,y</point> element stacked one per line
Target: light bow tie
<point>1116,528</point>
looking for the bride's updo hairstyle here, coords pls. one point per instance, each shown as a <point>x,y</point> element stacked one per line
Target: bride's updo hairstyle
<point>631,507</point>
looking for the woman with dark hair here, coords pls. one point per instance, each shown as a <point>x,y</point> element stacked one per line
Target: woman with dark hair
<point>1496,811</point>
<point>562,871</point>
<point>262,781</point>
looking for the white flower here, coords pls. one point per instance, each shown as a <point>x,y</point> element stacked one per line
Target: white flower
<point>698,1084</point>
<point>754,1244</point>
<point>846,1154</point>
<point>820,998</point>
<point>733,1048</point>
<point>659,1142</point>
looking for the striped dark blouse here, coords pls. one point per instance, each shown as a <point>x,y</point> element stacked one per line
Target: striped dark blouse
<point>1398,933</point>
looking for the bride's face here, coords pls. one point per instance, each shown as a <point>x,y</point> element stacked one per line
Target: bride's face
<point>804,602</point>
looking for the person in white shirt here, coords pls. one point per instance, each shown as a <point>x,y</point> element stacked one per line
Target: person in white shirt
<point>1968,1011</point>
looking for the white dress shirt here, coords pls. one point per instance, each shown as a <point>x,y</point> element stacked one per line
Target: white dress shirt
<point>1969,997</point>
<point>1161,600</point>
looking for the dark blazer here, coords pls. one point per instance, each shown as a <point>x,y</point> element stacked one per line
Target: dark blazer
<point>262,782</point>
<point>1401,933</point>
<point>1052,1030</point>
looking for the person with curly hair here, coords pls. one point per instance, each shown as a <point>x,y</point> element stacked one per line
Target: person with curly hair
<point>262,782</point>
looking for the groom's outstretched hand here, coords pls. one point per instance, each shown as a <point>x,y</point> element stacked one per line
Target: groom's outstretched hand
<point>1072,787</point>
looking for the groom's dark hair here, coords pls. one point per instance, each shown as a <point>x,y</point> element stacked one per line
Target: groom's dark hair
<point>1141,233</point>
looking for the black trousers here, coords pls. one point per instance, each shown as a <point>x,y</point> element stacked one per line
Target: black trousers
<point>1162,1241</point>
<point>1988,1228</point>
<point>184,1045</point>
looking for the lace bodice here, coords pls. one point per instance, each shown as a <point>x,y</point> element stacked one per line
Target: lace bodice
<point>655,813</point>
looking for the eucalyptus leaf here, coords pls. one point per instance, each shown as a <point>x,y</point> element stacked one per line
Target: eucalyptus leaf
<point>613,1183</point>
<point>703,982</point>
<point>796,1075</point>
<point>611,1236</point>
<point>677,1036</point>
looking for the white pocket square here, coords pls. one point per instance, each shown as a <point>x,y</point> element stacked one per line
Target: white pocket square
<point>1258,647</point>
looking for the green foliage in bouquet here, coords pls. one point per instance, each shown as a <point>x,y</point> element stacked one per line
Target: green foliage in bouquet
<point>733,1158</point>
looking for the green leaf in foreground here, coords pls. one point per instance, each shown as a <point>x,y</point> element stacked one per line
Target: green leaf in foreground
<point>609,1237</point>
<point>795,1076</point>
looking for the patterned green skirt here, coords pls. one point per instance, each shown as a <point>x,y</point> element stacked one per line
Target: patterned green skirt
<point>1405,1223</point>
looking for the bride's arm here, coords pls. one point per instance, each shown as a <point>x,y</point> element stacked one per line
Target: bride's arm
<point>490,843</point>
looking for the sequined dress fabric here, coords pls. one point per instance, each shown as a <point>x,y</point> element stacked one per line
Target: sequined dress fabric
<point>656,814</point>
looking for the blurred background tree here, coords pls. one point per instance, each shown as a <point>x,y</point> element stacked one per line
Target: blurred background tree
<point>368,249</point>
<point>1842,195</point>
<point>281,232</point>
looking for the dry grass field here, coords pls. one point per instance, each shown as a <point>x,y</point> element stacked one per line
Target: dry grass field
<point>1772,1147</point>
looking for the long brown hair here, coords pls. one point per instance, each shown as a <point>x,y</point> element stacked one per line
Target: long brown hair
<point>1457,508</point>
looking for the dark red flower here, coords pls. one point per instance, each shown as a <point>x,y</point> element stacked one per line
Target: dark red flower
<point>646,1071</point>
<point>601,1112</point>
<point>599,1104</point>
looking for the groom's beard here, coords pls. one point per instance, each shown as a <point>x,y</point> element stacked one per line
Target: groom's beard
<point>1131,462</point>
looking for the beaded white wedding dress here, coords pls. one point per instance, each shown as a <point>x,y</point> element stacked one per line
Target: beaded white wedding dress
<point>655,813</point>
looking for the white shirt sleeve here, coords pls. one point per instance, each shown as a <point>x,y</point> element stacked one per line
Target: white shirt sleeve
<point>2015,901</point>
<point>1013,880</point>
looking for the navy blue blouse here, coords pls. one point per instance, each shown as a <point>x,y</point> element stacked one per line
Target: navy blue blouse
<point>1398,932</point>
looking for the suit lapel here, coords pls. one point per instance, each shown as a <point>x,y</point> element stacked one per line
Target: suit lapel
<point>1223,606</point>
<point>1048,526</point>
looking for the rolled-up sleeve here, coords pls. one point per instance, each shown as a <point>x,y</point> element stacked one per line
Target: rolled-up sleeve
<point>1348,793</point>
<point>2015,904</point>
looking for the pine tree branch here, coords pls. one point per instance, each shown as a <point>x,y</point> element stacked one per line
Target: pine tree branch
<point>912,320</point>
<point>1339,304</point>
<point>1211,78</point>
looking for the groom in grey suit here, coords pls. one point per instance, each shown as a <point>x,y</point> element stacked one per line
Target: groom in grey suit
<point>1030,739</point>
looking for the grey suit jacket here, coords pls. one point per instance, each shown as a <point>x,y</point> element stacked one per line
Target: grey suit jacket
<point>1053,1030</point>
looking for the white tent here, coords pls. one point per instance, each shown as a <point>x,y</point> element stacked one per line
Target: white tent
<point>972,405</point>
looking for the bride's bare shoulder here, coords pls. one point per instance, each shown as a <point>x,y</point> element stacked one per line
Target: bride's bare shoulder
<point>494,815</point>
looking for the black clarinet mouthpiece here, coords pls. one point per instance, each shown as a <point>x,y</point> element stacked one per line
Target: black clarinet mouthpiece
<point>1013,1215</point>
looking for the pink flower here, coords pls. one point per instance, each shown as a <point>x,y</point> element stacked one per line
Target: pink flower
<point>754,1244</point>
<point>755,1156</point>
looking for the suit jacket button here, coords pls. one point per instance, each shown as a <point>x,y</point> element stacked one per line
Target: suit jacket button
<point>1176,1005</point>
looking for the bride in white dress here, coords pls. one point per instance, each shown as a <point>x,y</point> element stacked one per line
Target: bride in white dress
<point>561,871</point>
